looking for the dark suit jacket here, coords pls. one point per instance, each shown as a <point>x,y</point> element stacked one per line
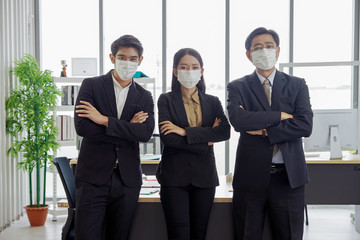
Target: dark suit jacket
<point>101,146</point>
<point>189,160</point>
<point>254,153</point>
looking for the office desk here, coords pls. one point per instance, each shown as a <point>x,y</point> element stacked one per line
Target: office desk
<point>333,181</point>
<point>149,167</point>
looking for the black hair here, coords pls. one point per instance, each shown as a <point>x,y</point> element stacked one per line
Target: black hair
<point>260,31</point>
<point>127,41</point>
<point>175,84</point>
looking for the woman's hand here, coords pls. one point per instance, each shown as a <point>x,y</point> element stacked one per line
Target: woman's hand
<point>168,127</point>
<point>216,122</point>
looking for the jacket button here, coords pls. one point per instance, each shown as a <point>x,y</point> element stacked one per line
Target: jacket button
<point>117,149</point>
<point>191,164</point>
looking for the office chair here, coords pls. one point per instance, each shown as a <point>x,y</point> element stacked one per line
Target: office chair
<point>306,216</point>
<point>68,180</point>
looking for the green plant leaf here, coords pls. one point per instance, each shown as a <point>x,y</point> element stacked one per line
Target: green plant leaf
<point>28,109</point>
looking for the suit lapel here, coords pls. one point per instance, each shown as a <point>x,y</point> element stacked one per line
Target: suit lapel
<point>205,110</point>
<point>276,90</point>
<point>179,108</point>
<point>110,93</point>
<point>130,102</point>
<point>257,89</point>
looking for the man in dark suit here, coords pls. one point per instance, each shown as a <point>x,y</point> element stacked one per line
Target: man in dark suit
<point>272,112</point>
<point>113,113</point>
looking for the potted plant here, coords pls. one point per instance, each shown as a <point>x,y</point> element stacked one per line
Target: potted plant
<point>33,129</point>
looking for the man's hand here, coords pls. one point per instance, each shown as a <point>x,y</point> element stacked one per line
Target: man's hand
<point>168,127</point>
<point>85,109</point>
<point>139,117</point>
<point>285,116</point>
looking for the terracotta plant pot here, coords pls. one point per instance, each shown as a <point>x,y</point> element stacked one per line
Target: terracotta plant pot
<point>37,215</point>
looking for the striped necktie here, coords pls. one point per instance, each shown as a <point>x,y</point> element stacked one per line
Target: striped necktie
<point>266,86</point>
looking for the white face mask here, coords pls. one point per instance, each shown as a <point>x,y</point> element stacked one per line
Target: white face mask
<point>189,78</point>
<point>125,69</point>
<point>264,59</point>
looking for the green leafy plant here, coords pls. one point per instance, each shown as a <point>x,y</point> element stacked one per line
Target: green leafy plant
<point>28,119</point>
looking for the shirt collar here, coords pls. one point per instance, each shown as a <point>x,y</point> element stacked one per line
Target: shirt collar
<point>117,85</point>
<point>271,77</point>
<point>194,97</point>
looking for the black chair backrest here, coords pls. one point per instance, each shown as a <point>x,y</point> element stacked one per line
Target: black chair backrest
<point>67,178</point>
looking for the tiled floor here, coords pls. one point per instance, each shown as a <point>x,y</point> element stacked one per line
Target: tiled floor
<point>21,230</point>
<point>325,223</point>
<point>330,223</point>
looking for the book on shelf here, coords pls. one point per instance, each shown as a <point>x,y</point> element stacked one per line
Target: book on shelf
<point>66,128</point>
<point>64,96</point>
<point>70,93</point>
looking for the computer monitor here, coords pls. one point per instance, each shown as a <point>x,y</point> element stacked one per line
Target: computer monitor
<point>334,130</point>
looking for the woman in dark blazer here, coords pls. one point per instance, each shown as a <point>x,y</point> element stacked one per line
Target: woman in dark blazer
<point>190,123</point>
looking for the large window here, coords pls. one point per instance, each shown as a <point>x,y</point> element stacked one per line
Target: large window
<point>142,19</point>
<point>323,30</point>
<point>325,36</point>
<point>69,29</point>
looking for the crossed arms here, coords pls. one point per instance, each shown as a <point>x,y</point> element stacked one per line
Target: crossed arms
<point>92,124</point>
<point>277,125</point>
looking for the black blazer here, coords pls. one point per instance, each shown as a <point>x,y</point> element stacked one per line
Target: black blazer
<point>254,153</point>
<point>189,160</point>
<point>101,146</point>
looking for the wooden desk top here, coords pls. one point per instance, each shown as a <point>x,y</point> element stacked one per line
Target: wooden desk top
<point>324,158</point>
<point>74,161</point>
<point>222,195</point>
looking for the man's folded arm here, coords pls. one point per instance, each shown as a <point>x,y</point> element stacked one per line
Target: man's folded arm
<point>243,120</point>
<point>298,126</point>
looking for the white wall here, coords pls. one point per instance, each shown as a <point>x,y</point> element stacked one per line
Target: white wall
<point>16,39</point>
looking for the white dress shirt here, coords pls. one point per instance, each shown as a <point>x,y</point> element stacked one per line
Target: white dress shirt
<point>120,96</point>
<point>278,158</point>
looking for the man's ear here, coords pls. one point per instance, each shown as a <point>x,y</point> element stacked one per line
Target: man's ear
<point>112,58</point>
<point>140,60</point>
<point>248,56</point>
<point>277,52</point>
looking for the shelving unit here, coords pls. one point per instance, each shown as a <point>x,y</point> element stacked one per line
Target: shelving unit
<point>60,81</point>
